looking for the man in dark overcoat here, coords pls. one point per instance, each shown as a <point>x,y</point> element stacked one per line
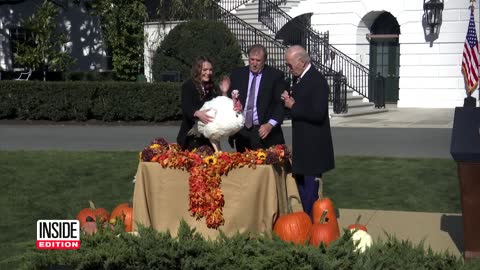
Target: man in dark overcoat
<point>312,147</point>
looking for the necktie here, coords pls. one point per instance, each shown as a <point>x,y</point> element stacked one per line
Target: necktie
<point>250,102</point>
<point>298,80</point>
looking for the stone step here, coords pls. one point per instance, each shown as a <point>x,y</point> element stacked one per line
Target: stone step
<point>358,104</point>
<point>357,111</point>
<point>249,14</point>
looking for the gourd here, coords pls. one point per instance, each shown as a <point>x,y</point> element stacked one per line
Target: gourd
<point>360,235</point>
<point>293,227</point>
<point>323,231</point>
<point>92,212</point>
<point>325,204</point>
<point>123,212</point>
<point>90,226</point>
<point>357,225</point>
<point>362,239</point>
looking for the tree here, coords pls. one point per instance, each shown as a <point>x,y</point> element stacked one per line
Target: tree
<point>42,49</point>
<point>194,38</point>
<point>122,30</point>
<point>184,9</point>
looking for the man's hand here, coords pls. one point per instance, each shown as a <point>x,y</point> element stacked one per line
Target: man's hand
<point>203,116</point>
<point>288,101</point>
<point>264,130</point>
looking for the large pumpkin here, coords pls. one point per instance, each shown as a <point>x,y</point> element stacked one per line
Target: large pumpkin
<point>123,212</point>
<point>325,204</point>
<point>323,232</point>
<point>293,227</point>
<point>92,212</point>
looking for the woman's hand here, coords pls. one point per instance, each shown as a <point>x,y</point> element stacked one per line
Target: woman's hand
<point>224,85</point>
<point>203,116</point>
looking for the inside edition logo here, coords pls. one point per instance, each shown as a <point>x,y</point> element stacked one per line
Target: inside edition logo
<point>58,234</point>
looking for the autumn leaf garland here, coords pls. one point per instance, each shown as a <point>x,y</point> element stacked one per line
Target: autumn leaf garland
<point>206,199</point>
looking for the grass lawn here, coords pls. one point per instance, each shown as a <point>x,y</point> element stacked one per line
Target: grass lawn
<point>57,184</point>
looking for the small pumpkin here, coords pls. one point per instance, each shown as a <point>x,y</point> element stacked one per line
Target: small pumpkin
<point>323,232</point>
<point>357,225</point>
<point>123,212</point>
<point>293,227</point>
<point>325,204</point>
<point>361,239</point>
<point>90,226</point>
<point>92,212</point>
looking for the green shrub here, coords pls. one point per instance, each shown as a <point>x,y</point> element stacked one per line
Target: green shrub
<point>81,101</point>
<point>194,38</point>
<point>189,250</point>
<point>90,76</point>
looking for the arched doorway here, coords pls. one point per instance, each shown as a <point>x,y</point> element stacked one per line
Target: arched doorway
<point>385,53</point>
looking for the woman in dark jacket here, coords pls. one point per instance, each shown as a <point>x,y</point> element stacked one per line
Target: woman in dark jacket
<point>195,92</point>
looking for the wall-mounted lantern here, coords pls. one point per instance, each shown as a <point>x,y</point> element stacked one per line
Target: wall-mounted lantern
<point>433,14</point>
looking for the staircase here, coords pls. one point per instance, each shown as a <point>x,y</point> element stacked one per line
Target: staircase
<point>273,17</point>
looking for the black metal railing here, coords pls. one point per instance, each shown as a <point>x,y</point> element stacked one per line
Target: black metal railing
<point>338,92</point>
<point>274,18</point>
<point>231,5</point>
<point>317,45</point>
<point>248,35</point>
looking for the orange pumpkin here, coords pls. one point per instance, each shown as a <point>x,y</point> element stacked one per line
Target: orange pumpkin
<point>124,212</point>
<point>357,225</point>
<point>92,212</point>
<point>323,232</point>
<point>90,226</point>
<point>293,227</point>
<point>325,204</point>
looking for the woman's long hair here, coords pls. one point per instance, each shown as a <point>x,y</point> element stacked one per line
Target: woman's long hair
<point>203,88</point>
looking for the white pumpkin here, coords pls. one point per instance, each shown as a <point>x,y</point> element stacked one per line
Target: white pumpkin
<point>363,239</point>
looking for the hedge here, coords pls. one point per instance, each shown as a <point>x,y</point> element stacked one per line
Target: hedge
<point>189,250</point>
<point>82,101</point>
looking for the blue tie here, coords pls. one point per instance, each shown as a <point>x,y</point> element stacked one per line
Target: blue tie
<point>250,102</point>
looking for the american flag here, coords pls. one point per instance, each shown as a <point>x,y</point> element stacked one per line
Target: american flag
<point>471,56</point>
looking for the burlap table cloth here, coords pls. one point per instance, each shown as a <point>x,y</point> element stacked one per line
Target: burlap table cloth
<point>254,199</point>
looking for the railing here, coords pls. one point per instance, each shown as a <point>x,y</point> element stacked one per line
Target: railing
<point>248,35</point>
<point>231,5</point>
<point>338,92</point>
<point>317,45</point>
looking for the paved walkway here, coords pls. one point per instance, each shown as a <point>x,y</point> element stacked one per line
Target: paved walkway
<point>397,118</point>
<point>440,231</point>
<point>400,118</point>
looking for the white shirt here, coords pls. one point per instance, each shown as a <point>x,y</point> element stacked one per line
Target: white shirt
<point>305,71</point>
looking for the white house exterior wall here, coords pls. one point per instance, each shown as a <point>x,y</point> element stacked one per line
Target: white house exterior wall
<point>155,32</point>
<point>85,45</point>
<point>430,74</point>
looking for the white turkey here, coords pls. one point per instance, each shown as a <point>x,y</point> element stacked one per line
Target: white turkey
<point>227,119</point>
